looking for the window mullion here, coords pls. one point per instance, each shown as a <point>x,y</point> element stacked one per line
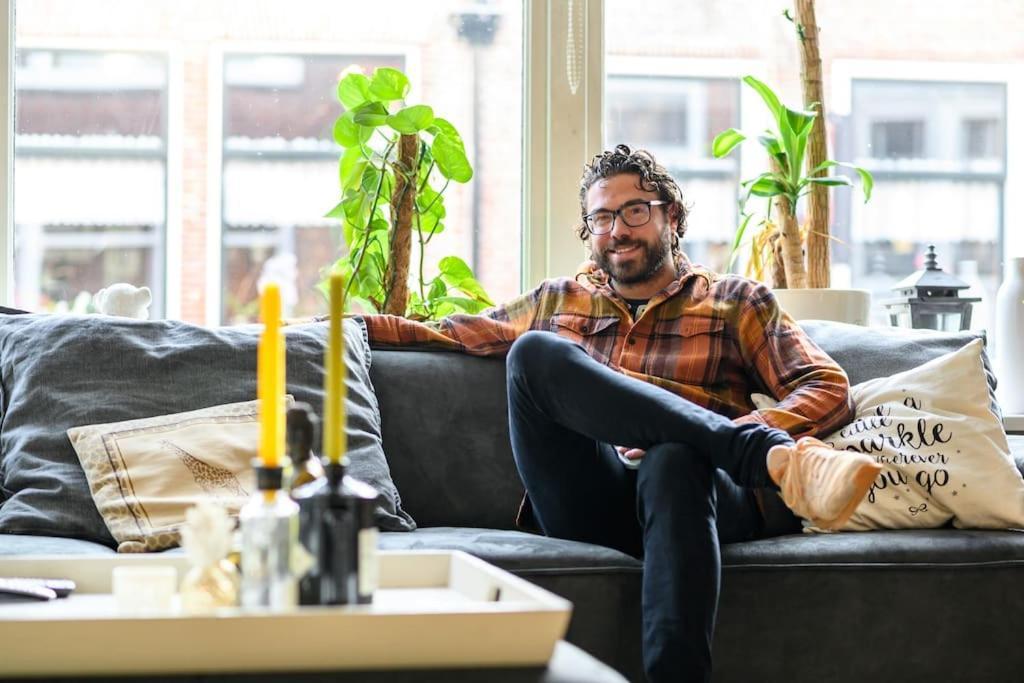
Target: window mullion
<point>7,154</point>
<point>562,132</point>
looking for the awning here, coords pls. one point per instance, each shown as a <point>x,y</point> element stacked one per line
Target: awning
<point>273,192</point>
<point>62,191</point>
<point>927,211</point>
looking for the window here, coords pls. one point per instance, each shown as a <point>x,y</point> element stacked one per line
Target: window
<point>923,100</point>
<point>982,138</point>
<point>676,118</point>
<point>941,178</point>
<point>510,56</point>
<point>198,156</point>
<point>897,139</point>
<point>91,157</point>
<point>279,165</point>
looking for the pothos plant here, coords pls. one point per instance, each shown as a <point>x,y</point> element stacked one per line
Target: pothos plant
<point>396,163</point>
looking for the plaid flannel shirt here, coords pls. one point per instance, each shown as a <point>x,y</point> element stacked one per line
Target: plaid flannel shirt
<point>709,338</point>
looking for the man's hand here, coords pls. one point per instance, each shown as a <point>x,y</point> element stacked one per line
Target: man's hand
<point>630,453</point>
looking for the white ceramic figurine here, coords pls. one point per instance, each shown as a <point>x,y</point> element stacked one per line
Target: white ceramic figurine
<point>124,300</point>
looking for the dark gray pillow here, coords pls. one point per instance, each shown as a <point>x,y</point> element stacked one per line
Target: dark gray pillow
<point>58,372</point>
<point>869,352</point>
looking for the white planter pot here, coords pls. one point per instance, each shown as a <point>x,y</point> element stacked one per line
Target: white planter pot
<point>1008,342</point>
<point>841,305</point>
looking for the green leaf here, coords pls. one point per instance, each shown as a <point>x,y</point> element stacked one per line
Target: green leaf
<point>738,240</point>
<point>766,94</point>
<point>770,186</point>
<point>337,212</point>
<point>353,90</point>
<point>455,268</point>
<point>412,119</point>
<point>370,179</point>
<point>828,163</point>
<point>357,208</point>
<point>774,148</point>
<point>468,305</point>
<point>800,122</point>
<point>726,141</point>
<point>443,126</point>
<point>370,114</point>
<point>437,289</point>
<point>350,168</point>
<point>450,155</point>
<point>389,84</point>
<point>431,201</point>
<point>867,182</point>
<point>348,133</point>
<point>430,224</point>
<point>475,290</point>
<point>831,181</point>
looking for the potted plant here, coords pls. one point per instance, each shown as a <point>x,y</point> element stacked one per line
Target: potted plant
<point>393,157</point>
<point>797,260</point>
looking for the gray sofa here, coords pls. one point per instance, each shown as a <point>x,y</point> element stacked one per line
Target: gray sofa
<point>895,605</point>
<point>886,605</point>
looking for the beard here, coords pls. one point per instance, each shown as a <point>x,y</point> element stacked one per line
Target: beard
<point>651,259</point>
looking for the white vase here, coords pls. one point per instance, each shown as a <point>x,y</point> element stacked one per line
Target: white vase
<point>841,305</point>
<point>1008,340</point>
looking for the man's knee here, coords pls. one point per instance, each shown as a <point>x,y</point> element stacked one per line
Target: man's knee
<point>533,350</point>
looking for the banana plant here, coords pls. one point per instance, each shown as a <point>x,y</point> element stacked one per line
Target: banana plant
<point>785,182</point>
<point>395,165</point>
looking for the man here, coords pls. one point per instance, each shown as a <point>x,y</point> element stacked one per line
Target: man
<point>630,412</point>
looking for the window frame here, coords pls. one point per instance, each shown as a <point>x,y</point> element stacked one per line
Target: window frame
<point>215,152</point>
<point>840,96</point>
<point>554,147</point>
<point>167,245</point>
<point>7,154</point>
<point>561,132</point>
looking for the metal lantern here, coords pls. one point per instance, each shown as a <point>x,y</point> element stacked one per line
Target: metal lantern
<point>930,299</point>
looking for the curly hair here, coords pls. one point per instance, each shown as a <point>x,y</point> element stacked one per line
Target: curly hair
<point>653,178</point>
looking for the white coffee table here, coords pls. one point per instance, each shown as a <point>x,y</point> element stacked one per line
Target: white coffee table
<point>433,610</point>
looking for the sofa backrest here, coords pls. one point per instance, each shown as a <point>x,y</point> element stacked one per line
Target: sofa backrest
<point>445,417</point>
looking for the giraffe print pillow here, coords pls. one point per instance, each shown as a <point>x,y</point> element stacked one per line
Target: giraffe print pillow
<point>143,474</point>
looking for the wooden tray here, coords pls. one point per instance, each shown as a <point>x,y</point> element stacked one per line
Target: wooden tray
<point>434,609</point>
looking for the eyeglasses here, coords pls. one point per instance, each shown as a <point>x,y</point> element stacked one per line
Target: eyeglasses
<point>633,215</point>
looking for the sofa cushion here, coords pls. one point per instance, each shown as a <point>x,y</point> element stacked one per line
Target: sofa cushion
<point>906,547</point>
<point>455,468</point>
<point>944,451</point>
<point>869,352</point>
<point>58,372</point>
<point>515,550</point>
<point>18,544</point>
<point>145,474</point>
<point>915,605</point>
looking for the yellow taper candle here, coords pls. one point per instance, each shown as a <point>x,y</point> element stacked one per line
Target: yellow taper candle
<point>270,378</point>
<point>334,400</point>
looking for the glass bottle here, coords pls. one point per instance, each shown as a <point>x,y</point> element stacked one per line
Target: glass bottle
<point>269,523</point>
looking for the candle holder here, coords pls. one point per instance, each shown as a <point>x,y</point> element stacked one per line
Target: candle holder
<point>268,536</point>
<point>336,526</point>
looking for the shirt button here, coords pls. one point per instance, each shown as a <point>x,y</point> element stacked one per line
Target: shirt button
<point>631,341</point>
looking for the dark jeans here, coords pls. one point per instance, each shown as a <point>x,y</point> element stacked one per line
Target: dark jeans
<point>692,489</point>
